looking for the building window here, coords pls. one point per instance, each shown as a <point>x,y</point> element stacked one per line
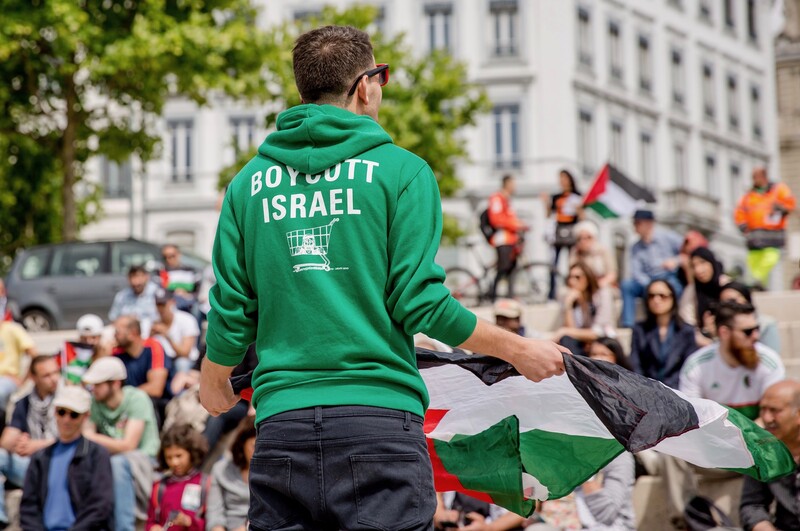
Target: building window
<point>705,11</point>
<point>116,178</point>
<point>679,163</point>
<point>617,144</point>
<point>181,133</point>
<point>506,136</point>
<point>615,51</point>
<point>755,112</point>
<point>586,156</point>
<point>646,159</point>
<point>504,17</point>
<point>712,186</point>
<point>678,81</point>
<point>440,24</point>
<point>708,91</point>
<point>184,239</point>
<point>733,102</point>
<point>678,4</point>
<point>729,14</point>
<point>752,21</point>
<point>736,181</point>
<point>243,134</point>
<point>585,45</point>
<point>645,65</point>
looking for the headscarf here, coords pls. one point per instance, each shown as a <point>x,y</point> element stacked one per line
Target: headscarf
<point>707,293</point>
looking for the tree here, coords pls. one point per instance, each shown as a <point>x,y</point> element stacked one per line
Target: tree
<point>425,105</point>
<point>90,77</point>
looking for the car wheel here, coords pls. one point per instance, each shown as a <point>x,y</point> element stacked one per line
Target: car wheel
<point>37,321</point>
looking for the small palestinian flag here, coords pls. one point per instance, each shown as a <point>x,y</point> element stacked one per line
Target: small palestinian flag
<point>613,195</point>
<point>499,437</point>
<point>75,360</point>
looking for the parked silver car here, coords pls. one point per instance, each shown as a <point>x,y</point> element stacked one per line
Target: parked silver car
<point>51,286</point>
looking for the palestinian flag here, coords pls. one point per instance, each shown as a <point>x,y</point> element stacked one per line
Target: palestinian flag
<point>74,360</point>
<point>501,438</point>
<point>613,195</point>
<point>497,436</point>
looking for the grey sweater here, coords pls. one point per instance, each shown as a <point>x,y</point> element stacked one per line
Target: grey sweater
<point>611,507</point>
<point>228,497</point>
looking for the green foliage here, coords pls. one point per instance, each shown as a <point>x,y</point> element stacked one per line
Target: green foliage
<point>89,77</point>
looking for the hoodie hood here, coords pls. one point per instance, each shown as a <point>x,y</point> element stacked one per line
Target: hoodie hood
<point>312,138</point>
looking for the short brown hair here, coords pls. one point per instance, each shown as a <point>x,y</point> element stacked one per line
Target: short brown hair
<point>186,437</point>
<point>245,431</point>
<point>328,60</point>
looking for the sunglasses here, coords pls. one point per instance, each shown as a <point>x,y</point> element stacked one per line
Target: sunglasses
<point>381,70</point>
<point>750,331</point>
<point>63,412</point>
<point>662,296</point>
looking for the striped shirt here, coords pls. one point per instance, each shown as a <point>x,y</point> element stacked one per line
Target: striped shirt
<point>706,375</point>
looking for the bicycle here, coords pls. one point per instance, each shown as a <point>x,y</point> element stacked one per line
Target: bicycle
<point>531,279</point>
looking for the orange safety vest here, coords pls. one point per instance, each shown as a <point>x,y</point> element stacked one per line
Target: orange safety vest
<point>504,220</point>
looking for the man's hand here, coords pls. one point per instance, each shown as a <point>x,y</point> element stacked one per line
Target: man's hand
<point>216,393</point>
<point>764,526</point>
<point>159,328</point>
<point>476,522</point>
<point>670,264</point>
<point>540,359</point>
<point>24,446</point>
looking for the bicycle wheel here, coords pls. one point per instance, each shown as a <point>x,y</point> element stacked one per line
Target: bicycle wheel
<point>463,286</point>
<point>532,282</point>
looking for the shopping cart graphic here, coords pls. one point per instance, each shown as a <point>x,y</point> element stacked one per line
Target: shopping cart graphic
<point>311,246</point>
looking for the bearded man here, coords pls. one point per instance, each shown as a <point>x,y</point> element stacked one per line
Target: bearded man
<point>736,370</point>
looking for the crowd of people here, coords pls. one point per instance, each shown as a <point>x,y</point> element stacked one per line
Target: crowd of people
<point>109,432</point>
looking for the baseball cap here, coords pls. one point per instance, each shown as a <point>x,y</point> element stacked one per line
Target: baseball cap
<point>73,397</point>
<point>643,215</point>
<point>107,369</point>
<point>163,296</point>
<point>90,325</point>
<point>507,308</point>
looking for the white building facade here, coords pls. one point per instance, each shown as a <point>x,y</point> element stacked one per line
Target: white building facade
<point>678,94</point>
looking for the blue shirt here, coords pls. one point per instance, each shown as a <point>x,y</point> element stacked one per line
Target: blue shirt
<point>647,258</point>
<point>58,513</point>
<point>143,306</point>
<point>152,357</point>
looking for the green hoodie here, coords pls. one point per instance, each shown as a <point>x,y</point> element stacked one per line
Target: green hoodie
<point>324,257</point>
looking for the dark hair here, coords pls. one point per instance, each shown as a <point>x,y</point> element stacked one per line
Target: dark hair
<point>186,437</point>
<point>135,269</point>
<point>727,311</point>
<point>506,178</point>
<point>740,288</point>
<point>619,354</point>
<point>674,314</point>
<point>572,184</point>
<point>328,60</point>
<point>245,431</point>
<point>38,360</point>
<point>591,279</point>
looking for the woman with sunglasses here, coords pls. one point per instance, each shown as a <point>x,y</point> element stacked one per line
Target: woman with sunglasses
<point>661,343</point>
<point>585,318</point>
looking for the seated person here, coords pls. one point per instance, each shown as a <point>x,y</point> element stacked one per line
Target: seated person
<point>229,495</point>
<point>585,316</point>
<point>69,483</point>
<point>468,513</point>
<point>177,331</point>
<point>145,363</point>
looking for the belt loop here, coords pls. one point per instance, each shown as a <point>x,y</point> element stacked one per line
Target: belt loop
<point>318,417</point>
<point>407,421</point>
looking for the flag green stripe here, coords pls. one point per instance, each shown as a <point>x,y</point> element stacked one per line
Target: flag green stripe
<point>603,210</point>
<point>751,411</point>
<point>772,458</point>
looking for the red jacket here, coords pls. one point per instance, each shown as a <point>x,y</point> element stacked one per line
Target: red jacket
<point>184,495</point>
<point>504,220</point>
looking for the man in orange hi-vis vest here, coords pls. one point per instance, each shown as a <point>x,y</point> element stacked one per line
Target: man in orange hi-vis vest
<point>506,238</point>
<point>761,215</point>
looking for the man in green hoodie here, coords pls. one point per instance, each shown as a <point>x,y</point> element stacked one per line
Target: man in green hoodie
<point>324,258</point>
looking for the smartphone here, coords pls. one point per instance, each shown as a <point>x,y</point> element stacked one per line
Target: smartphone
<point>446,525</point>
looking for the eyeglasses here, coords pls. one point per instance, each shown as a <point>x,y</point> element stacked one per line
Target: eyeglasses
<point>662,296</point>
<point>750,331</point>
<point>62,412</point>
<point>382,69</point>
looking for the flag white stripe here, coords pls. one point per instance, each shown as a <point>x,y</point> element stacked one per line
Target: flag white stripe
<point>617,200</point>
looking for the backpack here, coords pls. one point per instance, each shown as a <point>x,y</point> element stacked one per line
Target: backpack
<point>701,514</point>
<point>161,486</point>
<point>486,226</point>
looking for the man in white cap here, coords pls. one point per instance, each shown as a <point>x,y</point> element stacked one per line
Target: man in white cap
<point>123,422</point>
<point>77,356</point>
<point>69,483</point>
<point>508,315</point>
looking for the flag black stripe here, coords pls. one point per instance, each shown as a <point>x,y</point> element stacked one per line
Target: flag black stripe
<point>629,187</point>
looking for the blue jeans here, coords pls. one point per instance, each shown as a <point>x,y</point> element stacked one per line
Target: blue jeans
<point>124,494</point>
<point>632,290</point>
<point>343,467</point>
<point>13,468</point>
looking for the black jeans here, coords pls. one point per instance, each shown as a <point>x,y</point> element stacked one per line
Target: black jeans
<point>506,263</point>
<point>344,467</point>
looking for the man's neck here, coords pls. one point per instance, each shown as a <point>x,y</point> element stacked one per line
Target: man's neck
<point>40,394</point>
<point>114,400</point>
<point>727,357</point>
<point>135,348</point>
<point>70,440</point>
<point>169,318</point>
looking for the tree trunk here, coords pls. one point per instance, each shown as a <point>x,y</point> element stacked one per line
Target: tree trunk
<point>69,229</point>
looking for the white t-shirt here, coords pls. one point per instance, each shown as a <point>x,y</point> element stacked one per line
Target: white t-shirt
<point>183,325</point>
<point>706,375</point>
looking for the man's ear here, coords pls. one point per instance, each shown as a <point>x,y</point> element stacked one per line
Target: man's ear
<point>362,91</point>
